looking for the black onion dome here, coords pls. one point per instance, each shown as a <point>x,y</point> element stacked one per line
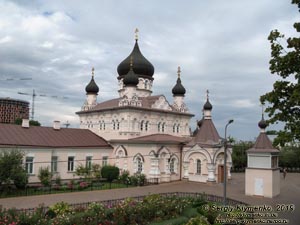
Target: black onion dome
<point>262,124</point>
<point>199,123</point>
<point>92,87</point>
<point>178,89</point>
<point>141,65</point>
<point>131,79</point>
<point>207,105</point>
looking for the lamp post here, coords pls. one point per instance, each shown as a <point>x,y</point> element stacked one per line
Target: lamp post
<point>225,160</point>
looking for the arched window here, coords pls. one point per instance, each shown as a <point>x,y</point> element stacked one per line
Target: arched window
<point>146,126</point>
<point>142,125</point>
<point>163,127</point>
<point>146,84</point>
<point>139,165</point>
<point>103,124</point>
<point>159,126</point>
<point>198,167</point>
<point>174,127</point>
<point>118,125</point>
<point>172,165</point>
<point>113,125</point>
<point>177,128</point>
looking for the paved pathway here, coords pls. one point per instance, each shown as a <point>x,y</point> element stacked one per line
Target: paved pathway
<point>290,194</point>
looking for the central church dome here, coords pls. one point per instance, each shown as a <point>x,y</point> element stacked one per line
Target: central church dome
<point>141,66</point>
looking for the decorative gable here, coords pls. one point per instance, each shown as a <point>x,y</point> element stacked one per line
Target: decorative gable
<point>180,108</point>
<point>161,103</point>
<point>134,101</point>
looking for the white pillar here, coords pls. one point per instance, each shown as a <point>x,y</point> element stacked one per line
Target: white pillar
<point>186,169</point>
<point>229,165</point>
<point>154,169</point>
<point>211,172</point>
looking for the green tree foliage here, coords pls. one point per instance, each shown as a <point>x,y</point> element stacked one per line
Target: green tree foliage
<point>110,172</point>
<point>239,155</point>
<point>290,157</point>
<point>284,100</point>
<point>45,176</point>
<point>89,173</point>
<point>31,122</point>
<point>12,170</point>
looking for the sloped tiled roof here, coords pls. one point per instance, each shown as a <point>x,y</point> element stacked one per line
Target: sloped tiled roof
<point>263,144</point>
<point>207,134</point>
<point>156,138</point>
<point>16,135</point>
<point>147,103</point>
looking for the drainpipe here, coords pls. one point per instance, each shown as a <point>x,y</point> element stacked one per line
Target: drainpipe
<point>180,170</point>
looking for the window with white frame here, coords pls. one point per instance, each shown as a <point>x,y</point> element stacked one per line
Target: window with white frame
<point>172,165</point>
<point>104,160</point>
<point>54,160</point>
<point>147,126</point>
<point>198,166</point>
<point>142,125</point>
<point>88,162</point>
<point>71,160</point>
<point>163,127</point>
<point>29,165</point>
<point>139,164</point>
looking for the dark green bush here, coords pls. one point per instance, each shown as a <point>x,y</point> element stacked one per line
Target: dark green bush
<point>110,172</point>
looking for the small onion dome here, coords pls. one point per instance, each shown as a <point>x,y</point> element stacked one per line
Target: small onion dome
<point>262,124</point>
<point>142,66</point>
<point>178,89</point>
<point>92,87</point>
<point>131,79</point>
<point>207,105</point>
<point>199,123</point>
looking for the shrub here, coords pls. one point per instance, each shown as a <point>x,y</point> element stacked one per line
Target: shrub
<point>199,220</point>
<point>176,221</point>
<point>138,179</point>
<point>45,176</point>
<point>124,177</point>
<point>110,172</point>
<point>61,208</point>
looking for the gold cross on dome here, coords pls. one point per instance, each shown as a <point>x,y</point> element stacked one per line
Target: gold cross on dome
<point>136,34</point>
<point>93,70</point>
<point>131,62</point>
<point>262,110</point>
<point>178,71</point>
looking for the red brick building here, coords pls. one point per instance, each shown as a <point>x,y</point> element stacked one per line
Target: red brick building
<point>12,109</point>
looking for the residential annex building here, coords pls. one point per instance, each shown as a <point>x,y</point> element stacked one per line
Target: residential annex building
<point>148,134</point>
<point>59,149</point>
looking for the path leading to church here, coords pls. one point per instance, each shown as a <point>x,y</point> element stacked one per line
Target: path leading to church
<point>290,194</point>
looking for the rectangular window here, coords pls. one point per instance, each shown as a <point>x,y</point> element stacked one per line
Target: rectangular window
<point>71,163</point>
<point>54,164</point>
<point>104,160</point>
<point>88,162</point>
<point>198,166</point>
<point>29,165</point>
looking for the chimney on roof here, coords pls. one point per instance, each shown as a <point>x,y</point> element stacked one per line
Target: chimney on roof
<point>25,123</point>
<point>56,125</point>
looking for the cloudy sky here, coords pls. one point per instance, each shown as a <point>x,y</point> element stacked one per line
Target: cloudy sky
<point>220,45</point>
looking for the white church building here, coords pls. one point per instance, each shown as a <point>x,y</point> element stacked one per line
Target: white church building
<point>148,134</point>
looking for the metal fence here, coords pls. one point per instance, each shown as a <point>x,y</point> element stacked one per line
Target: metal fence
<point>70,186</point>
<point>114,202</point>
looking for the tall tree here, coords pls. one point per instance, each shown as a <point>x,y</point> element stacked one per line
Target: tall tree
<point>12,169</point>
<point>283,102</point>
